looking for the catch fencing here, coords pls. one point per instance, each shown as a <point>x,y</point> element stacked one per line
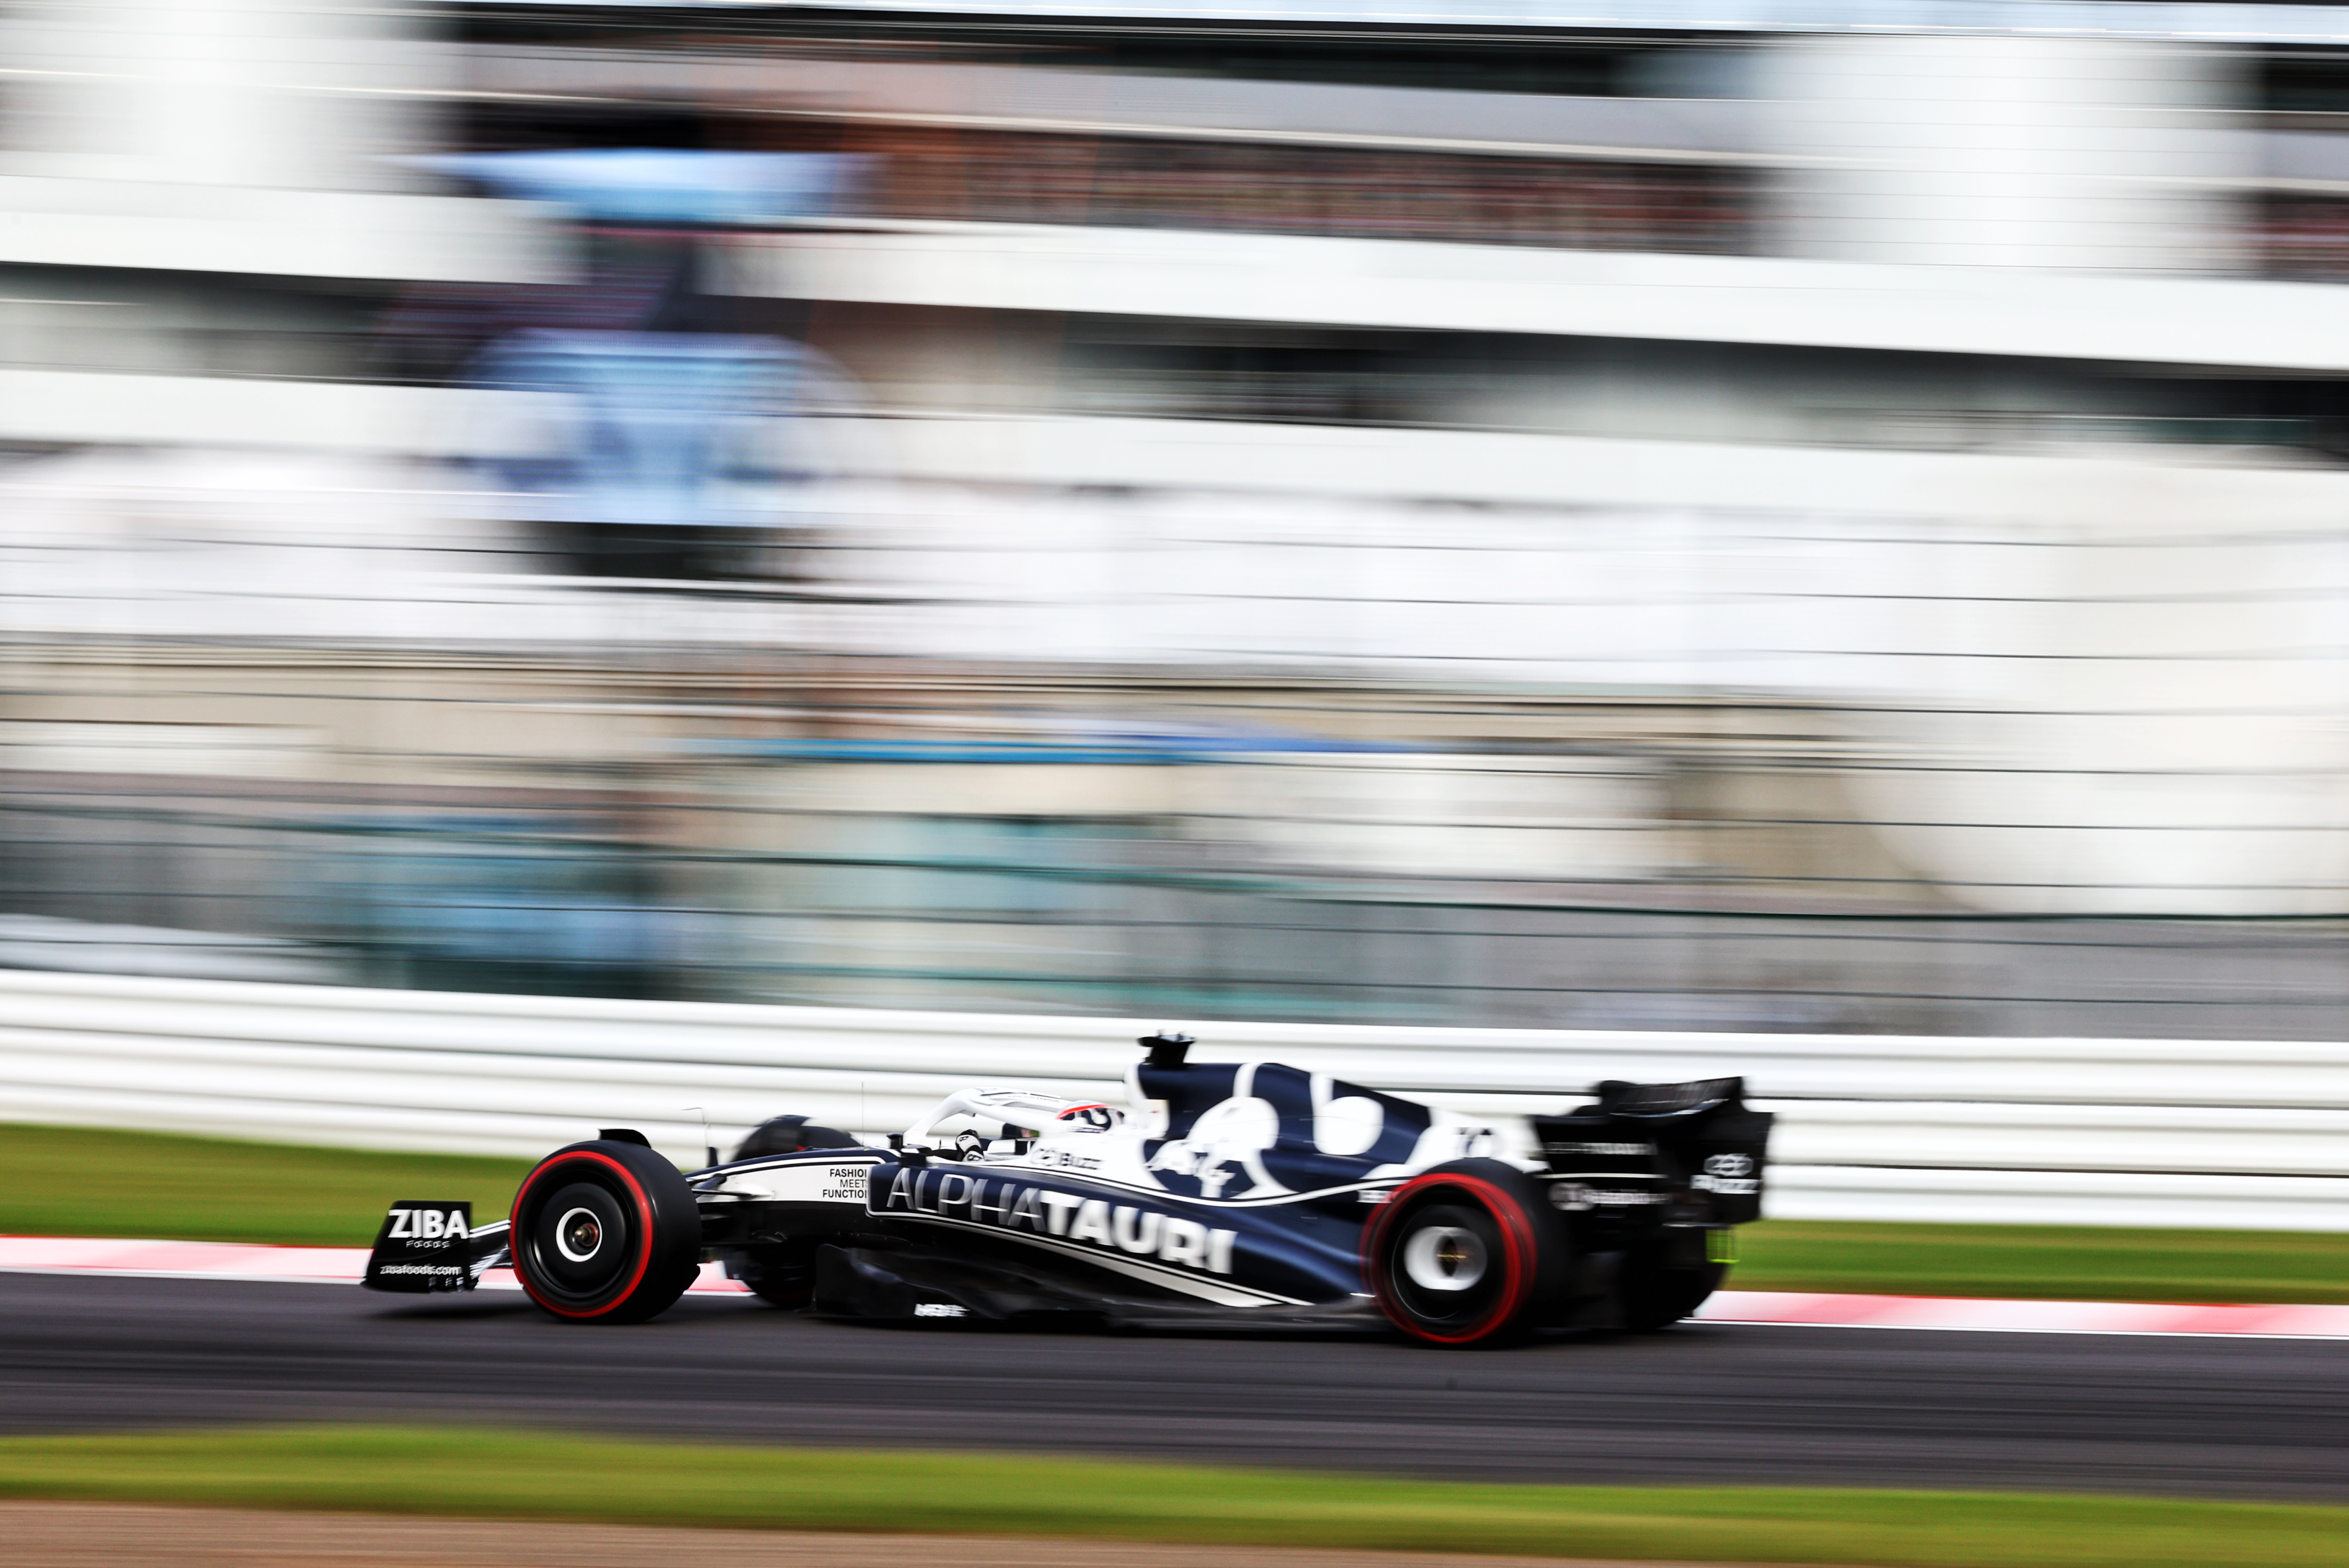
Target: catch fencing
<point>2126,1132</point>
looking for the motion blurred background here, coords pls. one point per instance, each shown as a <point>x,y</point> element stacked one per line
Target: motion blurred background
<point>1820,516</point>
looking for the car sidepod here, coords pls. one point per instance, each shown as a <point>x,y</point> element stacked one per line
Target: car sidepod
<point>1003,1242</point>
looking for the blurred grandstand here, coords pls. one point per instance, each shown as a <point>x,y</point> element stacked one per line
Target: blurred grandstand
<point>1811,519</point>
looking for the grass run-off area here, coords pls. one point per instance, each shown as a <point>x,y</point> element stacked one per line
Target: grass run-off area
<point>74,1181</point>
<point>69,1181</point>
<point>465,1471</point>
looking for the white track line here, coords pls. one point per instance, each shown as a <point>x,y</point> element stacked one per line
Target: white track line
<point>342,1265</point>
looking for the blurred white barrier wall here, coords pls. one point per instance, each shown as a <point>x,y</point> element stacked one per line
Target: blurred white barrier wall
<point>2126,1132</point>
<point>294,93</point>
<point>254,138</point>
<point>1994,150</point>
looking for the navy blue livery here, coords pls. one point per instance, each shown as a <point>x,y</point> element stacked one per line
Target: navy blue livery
<point>1234,1193</point>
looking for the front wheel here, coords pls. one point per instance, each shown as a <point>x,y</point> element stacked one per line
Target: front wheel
<point>605,1232</point>
<point>1466,1254</point>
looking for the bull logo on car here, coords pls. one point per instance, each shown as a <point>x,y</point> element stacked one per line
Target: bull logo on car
<point>1228,1141</point>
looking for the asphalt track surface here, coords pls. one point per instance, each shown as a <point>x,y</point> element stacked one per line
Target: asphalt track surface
<point>1702,1403</point>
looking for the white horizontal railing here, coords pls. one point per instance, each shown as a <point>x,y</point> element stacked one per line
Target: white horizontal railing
<point>2131,1131</point>
<point>1452,286</point>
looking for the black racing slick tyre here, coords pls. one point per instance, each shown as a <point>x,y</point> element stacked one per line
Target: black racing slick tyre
<point>605,1232</point>
<point>782,1276</point>
<point>1466,1254</point>
<point>1649,1296</point>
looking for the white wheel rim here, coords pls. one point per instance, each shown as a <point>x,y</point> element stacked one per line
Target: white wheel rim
<point>1443,1258</point>
<point>595,1238</point>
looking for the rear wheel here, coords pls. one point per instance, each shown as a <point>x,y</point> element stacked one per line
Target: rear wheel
<point>1652,1296</point>
<point>605,1232</point>
<point>1466,1254</point>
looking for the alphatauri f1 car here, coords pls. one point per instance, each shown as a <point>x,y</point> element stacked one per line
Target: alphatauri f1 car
<point>1225,1193</point>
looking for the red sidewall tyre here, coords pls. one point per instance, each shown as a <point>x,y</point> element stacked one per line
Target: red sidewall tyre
<point>605,1233</point>
<point>1493,1207</point>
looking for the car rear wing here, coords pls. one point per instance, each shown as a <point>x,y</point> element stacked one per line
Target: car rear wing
<point>427,1246</point>
<point>1698,1136</point>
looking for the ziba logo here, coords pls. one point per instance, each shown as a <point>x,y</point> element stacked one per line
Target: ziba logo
<point>426,1225</point>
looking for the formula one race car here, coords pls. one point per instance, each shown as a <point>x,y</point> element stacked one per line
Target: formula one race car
<point>1230,1193</point>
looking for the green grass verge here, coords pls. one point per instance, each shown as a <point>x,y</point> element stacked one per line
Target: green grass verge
<point>2066,1262</point>
<point>73,1181</point>
<point>69,1181</point>
<point>472,1472</point>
